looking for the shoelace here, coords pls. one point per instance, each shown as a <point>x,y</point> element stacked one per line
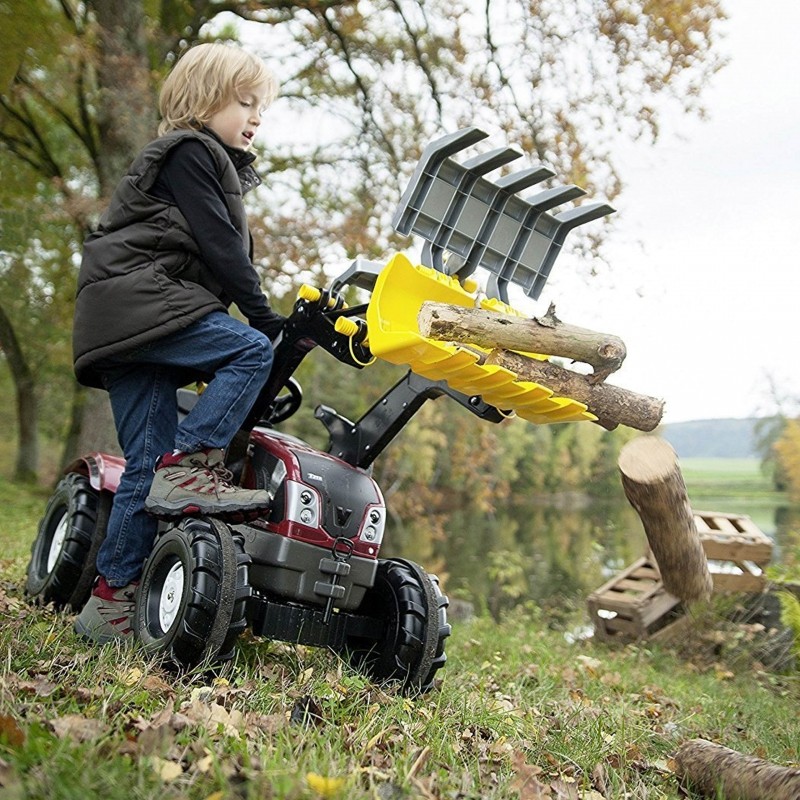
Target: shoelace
<point>220,475</point>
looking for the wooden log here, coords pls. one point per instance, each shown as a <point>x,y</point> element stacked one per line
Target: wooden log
<point>611,405</point>
<point>547,335</point>
<point>654,486</point>
<point>717,771</point>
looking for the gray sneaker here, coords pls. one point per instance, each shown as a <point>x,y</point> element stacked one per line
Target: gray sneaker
<point>108,613</point>
<point>198,483</point>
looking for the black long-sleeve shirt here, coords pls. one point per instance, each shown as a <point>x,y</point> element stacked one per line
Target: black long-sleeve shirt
<point>189,180</point>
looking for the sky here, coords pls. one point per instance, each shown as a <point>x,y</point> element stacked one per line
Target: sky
<point>703,284</point>
<point>704,279</point>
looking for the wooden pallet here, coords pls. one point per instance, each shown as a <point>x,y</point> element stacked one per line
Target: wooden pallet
<point>634,605</point>
<point>737,551</point>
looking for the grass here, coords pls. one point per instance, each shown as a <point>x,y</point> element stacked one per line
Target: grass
<point>521,711</point>
<point>726,476</point>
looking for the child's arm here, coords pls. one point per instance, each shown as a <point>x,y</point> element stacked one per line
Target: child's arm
<point>189,179</point>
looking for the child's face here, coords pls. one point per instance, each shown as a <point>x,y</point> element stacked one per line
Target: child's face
<point>237,122</point>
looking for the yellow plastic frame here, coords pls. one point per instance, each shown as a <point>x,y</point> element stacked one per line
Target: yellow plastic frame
<point>400,290</point>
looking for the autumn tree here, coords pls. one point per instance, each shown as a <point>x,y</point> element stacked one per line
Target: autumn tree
<point>365,84</point>
<point>787,453</point>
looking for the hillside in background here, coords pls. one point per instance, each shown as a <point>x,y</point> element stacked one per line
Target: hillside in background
<point>713,438</point>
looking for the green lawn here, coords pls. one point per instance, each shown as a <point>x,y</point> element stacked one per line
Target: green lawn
<point>727,476</point>
<point>522,711</point>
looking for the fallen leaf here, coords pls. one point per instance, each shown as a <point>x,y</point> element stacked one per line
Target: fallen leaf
<point>132,676</point>
<point>154,740</point>
<point>10,732</point>
<point>526,781</point>
<point>201,694</point>
<point>154,683</point>
<point>266,723</point>
<point>205,763</point>
<point>326,787</point>
<point>168,771</point>
<point>9,780</point>
<point>78,727</point>
<point>591,665</point>
<point>214,715</point>
<point>39,687</point>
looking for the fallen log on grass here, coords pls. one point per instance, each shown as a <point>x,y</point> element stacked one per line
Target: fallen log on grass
<point>547,335</point>
<point>717,771</point>
<point>654,486</point>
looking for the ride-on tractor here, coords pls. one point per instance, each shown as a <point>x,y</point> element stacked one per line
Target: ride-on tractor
<point>308,570</point>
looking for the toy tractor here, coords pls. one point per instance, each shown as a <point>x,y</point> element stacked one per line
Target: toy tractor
<point>308,571</point>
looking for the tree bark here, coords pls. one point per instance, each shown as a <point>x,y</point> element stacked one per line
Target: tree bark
<point>610,404</point>
<point>714,771</point>
<point>654,486</point>
<point>126,115</point>
<point>547,335</point>
<point>27,464</point>
<point>91,427</point>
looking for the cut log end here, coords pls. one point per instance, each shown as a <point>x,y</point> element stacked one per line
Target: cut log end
<point>654,486</point>
<point>647,459</point>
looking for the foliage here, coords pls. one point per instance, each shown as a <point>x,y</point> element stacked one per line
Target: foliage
<point>364,85</point>
<point>787,454</point>
<point>790,617</point>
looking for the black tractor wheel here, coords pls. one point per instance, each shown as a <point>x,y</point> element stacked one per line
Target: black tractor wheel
<point>413,610</point>
<point>193,592</point>
<point>61,569</point>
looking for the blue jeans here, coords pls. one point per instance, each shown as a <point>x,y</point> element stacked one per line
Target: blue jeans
<point>142,385</point>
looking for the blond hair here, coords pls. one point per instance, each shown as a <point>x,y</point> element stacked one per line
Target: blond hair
<point>205,79</point>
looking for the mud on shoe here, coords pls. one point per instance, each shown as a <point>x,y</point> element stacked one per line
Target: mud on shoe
<point>108,613</point>
<point>199,483</point>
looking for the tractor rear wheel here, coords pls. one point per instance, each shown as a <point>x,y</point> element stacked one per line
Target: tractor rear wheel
<point>410,604</point>
<point>193,592</point>
<point>68,537</point>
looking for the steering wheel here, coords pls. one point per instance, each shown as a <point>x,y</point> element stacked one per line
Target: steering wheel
<point>287,403</point>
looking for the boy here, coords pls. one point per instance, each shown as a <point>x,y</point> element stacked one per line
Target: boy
<point>171,253</point>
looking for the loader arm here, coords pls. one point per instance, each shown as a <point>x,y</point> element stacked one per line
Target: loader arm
<point>468,223</point>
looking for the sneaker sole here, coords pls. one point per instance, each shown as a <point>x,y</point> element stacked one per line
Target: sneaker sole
<point>185,508</point>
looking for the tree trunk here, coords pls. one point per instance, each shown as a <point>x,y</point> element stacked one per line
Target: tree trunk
<point>126,120</point>
<point>546,335</point>
<point>27,464</point>
<point>91,427</point>
<point>610,404</point>
<point>717,771</point>
<point>126,115</point>
<point>653,484</point>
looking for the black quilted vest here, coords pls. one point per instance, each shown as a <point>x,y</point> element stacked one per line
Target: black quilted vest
<point>141,276</point>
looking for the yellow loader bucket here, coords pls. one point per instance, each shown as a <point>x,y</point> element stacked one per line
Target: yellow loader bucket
<point>400,290</point>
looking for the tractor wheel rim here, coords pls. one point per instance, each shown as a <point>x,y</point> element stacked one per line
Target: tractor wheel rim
<point>171,594</point>
<point>56,543</point>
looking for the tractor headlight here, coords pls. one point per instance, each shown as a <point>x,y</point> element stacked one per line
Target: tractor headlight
<point>372,526</point>
<point>302,504</point>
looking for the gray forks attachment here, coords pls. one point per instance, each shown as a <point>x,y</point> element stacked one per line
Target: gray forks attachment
<point>484,223</point>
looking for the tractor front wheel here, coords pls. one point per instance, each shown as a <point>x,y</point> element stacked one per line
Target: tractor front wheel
<point>193,591</point>
<point>413,610</point>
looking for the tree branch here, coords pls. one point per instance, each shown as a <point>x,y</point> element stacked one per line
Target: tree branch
<point>421,60</point>
<point>22,148</point>
<point>366,104</point>
<point>57,110</point>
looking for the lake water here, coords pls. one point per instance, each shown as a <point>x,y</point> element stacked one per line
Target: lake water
<point>557,552</point>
